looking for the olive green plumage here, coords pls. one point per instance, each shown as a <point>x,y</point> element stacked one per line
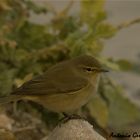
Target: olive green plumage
<point>64,87</point>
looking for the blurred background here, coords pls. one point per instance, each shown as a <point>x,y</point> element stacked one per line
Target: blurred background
<point>36,34</point>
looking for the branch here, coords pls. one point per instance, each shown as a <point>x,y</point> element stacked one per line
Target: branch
<point>74,130</point>
<point>127,24</point>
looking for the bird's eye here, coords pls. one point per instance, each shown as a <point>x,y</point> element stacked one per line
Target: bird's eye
<point>88,69</point>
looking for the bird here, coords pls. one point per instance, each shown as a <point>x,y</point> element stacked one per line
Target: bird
<point>65,87</point>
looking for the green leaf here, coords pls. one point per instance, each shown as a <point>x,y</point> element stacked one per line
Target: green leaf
<point>21,55</point>
<point>6,81</point>
<point>105,31</point>
<point>136,68</point>
<point>124,64</point>
<point>109,63</point>
<point>78,49</point>
<point>89,10</point>
<point>121,111</point>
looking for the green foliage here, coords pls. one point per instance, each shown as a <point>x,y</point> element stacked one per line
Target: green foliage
<point>97,107</point>
<point>92,11</point>
<point>121,111</point>
<point>28,49</point>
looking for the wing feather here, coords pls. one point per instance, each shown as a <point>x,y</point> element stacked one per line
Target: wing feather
<point>52,83</point>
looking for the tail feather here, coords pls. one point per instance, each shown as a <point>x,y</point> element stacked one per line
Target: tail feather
<point>10,98</point>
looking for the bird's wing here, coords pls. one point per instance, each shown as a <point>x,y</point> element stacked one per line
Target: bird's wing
<point>53,84</point>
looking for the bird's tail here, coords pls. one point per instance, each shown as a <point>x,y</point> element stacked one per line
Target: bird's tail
<point>10,98</point>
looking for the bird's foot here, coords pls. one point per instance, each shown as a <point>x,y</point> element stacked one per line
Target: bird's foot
<point>67,117</point>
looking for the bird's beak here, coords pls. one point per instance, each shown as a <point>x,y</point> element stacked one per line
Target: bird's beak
<point>103,70</point>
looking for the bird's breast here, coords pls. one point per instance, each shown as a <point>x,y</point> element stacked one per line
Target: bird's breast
<point>67,102</point>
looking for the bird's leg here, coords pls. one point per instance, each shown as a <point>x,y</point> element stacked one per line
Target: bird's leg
<point>72,116</point>
<point>15,110</point>
<point>65,114</point>
<point>76,116</point>
<point>68,117</point>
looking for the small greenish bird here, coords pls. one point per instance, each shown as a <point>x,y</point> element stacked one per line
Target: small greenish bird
<point>65,87</point>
